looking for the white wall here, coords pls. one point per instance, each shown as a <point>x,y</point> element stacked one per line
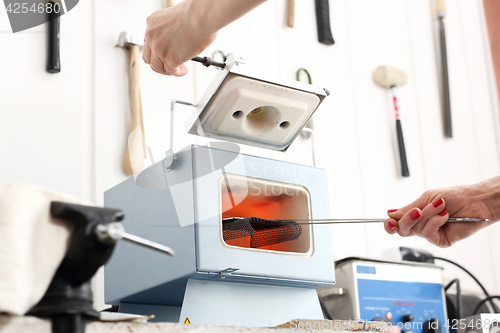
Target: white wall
<point>68,131</point>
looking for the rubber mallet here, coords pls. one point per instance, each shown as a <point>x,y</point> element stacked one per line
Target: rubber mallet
<point>392,77</point>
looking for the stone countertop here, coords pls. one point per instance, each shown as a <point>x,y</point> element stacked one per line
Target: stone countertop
<point>35,325</point>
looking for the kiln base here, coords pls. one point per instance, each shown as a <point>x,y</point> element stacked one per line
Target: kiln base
<point>231,304</point>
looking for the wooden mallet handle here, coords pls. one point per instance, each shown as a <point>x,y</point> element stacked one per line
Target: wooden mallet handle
<point>134,156</point>
<point>440,6</point>
<point>290,13</point>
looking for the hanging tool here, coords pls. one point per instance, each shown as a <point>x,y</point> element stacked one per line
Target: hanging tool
<point>168,3</point>
<point>53,58</point>
<point>392,77</point>
<point>290,13</point>
<point>445,89</point>
<point>323,22</point>
<point>133,162</point>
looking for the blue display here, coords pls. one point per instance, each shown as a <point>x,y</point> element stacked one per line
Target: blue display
<point>366,269</point>
<point>422,300</point>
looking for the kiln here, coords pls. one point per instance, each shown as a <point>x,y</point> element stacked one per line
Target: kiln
<point>221,274</point>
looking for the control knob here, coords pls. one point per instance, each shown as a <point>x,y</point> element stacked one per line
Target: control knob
<point>407,318</point>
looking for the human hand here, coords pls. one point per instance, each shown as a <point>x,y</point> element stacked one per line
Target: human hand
<point>426,217</point>
<point>174,36</point>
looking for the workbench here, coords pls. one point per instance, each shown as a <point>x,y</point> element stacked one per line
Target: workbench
<point>36,325</point>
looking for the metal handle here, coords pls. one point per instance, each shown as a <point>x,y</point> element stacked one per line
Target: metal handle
<point>323,22</point>
<point>448,132</point>
<point>405,172</point>
<point>54,60</point>
<point>115,231</point>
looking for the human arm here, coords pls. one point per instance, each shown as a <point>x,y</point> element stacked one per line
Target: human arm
<point>426,217</point>
<point>175,35</point>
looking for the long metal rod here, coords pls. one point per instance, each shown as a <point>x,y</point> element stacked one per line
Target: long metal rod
<point>147,243</point>
<point>335,221</point>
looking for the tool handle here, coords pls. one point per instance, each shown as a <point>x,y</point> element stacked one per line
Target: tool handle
<point>290,13</point>
<point>134,155</point>
<point>207,62</point>
<point>169,3</point>
<point>448,131</point>
<point>440,6</point>
<point>53,60</point>
<point>405,172</point>
<point>323,22</point>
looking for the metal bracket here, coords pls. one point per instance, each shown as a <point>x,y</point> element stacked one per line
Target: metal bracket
<point>310,134</point>
<point>327,293</point>
<point>227,272</point>
<point>168,162</point>
<point>172,109</point>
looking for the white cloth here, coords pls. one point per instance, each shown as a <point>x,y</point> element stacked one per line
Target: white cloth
<point>32,244</point>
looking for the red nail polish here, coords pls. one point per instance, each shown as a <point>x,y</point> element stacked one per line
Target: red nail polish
<point>392,211</point>
<point>437,202</point>
<point>443,213</point>
<point>391,226</point>
<point>415,214</point>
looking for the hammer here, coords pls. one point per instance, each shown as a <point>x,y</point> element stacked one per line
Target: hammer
<point>133,161</point>
<point>392,77</point>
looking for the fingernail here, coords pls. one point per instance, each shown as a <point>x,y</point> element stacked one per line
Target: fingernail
<point>437,202</point>
<point>415,214</point>
<point>443,213</point>
<point>391,211</point>
<point>391,226</point>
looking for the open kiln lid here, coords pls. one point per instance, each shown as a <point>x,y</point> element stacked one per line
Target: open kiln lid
<point>248,107</point>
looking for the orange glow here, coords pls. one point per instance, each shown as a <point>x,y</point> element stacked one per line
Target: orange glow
<point>271,207</point>
<point>253,206</point>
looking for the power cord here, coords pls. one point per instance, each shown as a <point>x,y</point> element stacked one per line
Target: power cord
<point>472,276</point>
<point>456,282</point>
<point>487,299</point>
<point>410,254</point>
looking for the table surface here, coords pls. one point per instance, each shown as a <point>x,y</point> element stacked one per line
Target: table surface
<point>35,325</point>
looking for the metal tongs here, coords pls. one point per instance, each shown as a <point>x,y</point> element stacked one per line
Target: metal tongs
<point>335,221</point>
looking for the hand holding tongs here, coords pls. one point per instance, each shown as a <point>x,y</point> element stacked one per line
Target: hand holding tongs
<point>335,221</point>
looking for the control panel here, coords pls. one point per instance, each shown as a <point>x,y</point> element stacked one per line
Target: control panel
<point>412,306</point>
<point>407,295</point>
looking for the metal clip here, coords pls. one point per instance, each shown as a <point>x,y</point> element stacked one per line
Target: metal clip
<point>332,292</point>
<point>168,162</point>
<point>227,272</point>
